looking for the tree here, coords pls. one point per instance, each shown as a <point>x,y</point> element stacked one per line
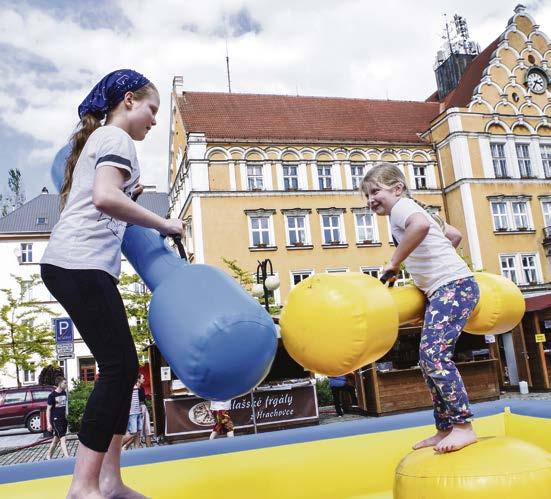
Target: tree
<point>244,277</point>
<point>16,197</point>
<point>49,374</point>
<point>136,298</point>
<point>22,337</point>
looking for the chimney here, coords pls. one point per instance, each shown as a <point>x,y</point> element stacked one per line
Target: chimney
<point>178,85</point>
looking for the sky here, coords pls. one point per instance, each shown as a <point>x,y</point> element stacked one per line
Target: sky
<point>52,52</point>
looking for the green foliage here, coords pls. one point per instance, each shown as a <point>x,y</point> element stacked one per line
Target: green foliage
<point>136,298</point>
<point>78,397</point>
<point>16,197</point>
<point>244,277</point>
<point>49,374</point>
<point>21,337</point>
<point>325,397</point>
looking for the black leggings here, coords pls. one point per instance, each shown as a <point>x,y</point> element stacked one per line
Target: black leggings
<point>93,302</point>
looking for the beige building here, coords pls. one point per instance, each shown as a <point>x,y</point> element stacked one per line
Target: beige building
<point>271,176</point>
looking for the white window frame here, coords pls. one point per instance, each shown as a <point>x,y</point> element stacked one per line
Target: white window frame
<point>546,212</point>
<point>372,271</point>
<point>296,177</point>
<point>533,268</point>
<point>306,228</point>
<point>331,227</point>
<point>322,179</point>
<point>355,178</point>
<point>269,230</point>
<point>420,181</point>
<point>545,153</point>
<point>520,218</point>
<point>513,217</point>
<point>29,376</point>
<point>502,216</point>
<point>254,178</point>
<point>373,226</point>
<point>511,267</point>
<point>26,252</point>
<point>524,161</point>
<point>499,163</point>
<point>27,291</point>
<point>301,273</point>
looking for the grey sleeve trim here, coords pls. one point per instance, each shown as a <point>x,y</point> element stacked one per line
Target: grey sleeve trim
<point>113,158</point>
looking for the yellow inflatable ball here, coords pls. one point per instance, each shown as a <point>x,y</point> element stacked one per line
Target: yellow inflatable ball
<point>500,308</point>
<point>493,468</point>
<point>333,324</point>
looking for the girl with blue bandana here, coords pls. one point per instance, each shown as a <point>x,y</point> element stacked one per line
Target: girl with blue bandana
<point>81,263</point>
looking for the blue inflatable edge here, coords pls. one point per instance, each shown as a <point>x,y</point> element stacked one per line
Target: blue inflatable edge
<point>203,448</point>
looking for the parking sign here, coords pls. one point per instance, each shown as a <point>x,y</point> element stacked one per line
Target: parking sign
<point>63,327</point>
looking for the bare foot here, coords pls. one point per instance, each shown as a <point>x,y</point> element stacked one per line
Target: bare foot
<point>84,494</point>
<point>432,441</point>
<point>120,491</point>
<point>460,436</point>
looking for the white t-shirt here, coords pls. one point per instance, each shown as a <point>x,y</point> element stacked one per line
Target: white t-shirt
<point>220,405</point>
<point>84,237</point>
<point>434,262</point>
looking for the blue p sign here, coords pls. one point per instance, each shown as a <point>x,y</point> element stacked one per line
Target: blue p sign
<point>63,329</point>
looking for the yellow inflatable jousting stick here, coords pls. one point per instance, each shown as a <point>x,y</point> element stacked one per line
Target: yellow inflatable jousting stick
<point>334,324</point>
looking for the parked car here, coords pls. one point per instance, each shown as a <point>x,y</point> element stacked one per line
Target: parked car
<point>21,406</point>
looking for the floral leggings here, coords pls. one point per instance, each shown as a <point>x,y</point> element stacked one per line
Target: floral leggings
<point>447,312</point>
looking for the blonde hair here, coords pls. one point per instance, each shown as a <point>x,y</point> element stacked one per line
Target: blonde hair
<point>87,125</point>
<point>387,175</point>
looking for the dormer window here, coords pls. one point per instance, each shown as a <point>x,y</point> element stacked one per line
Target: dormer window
<point>41,220</point>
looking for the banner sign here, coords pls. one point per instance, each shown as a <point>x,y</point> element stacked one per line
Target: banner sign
<point>293,403</point>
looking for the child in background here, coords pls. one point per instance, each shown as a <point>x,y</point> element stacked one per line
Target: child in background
<point>56,416</point>
<point>222,420</point>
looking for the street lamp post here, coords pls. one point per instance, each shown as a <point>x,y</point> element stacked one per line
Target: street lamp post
<point>265,281</point>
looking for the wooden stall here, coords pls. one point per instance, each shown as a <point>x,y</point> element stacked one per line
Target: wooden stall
<point>286,398</point>
<point>395,382</point>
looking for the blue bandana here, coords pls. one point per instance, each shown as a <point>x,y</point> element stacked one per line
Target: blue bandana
<point>109,91</point>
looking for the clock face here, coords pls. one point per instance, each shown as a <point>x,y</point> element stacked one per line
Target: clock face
<point>536,81</point>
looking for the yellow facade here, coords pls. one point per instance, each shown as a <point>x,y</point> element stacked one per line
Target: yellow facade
<point>459,160</point>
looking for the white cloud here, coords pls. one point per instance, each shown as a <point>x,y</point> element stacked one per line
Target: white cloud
<point>350,48</point>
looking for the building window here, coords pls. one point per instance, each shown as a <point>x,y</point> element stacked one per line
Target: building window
<point>300,275</point>
<point>357,171</point>
<point>498,159</point>
<point>296,229</point>
<point>290,177</point>
<point>499,213</point>
<point>26,252</point>
<point>546,208</point>
<point>260,231</point>
<point>523,155</point>
<point>140,287</point>
<point>41,221</point>
<point>27,290</point>
<point>510,215</point>
<point>546,159</point>
<point>331,228</point>
<point>87,369</point>
<point>365,228</point>
<point>372,271</point>
<point>324,176</point>
<point>529,270</point>
<point>520,215</point>
<point>403,278</point>
<point>255,179</point>
<point>508,268</point>
<point>420,176</point>
<point>29,376</point>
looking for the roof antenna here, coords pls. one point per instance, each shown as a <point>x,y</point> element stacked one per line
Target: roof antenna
<point>227,56</point>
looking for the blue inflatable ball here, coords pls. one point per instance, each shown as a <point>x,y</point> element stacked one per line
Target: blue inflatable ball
<point>58,166</point>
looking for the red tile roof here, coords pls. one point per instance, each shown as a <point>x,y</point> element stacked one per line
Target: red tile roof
<point>461,95</point>
<point>253,116</point>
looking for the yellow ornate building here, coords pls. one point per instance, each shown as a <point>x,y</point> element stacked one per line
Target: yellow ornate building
<point>270,176</point>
